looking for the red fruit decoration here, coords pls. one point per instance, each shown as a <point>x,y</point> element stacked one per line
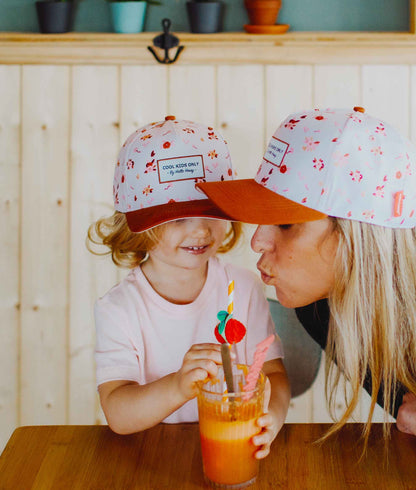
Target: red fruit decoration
<point>234,332</point>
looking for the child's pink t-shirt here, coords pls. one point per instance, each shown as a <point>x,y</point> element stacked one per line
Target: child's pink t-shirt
<point>142,337</point>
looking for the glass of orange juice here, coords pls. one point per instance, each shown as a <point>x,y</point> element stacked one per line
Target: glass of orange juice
<point>227,424</point>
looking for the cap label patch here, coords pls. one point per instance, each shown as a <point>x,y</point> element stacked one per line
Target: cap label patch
<point>276,151</point>
<point>180,168</point>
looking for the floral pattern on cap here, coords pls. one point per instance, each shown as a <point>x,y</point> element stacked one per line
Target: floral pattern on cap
<point>345,164</point>
<point>161,162</point>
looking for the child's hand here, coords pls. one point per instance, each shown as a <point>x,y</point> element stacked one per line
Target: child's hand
<point>269,426</point>
<point>199,362</point>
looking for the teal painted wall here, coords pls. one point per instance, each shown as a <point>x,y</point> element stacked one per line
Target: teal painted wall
<point>302,15</point>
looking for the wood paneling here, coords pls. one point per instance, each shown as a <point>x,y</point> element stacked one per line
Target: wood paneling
<point>385,93</point>
<point>10,110</point>
<point>45,244</point>
<point>95,141</point>
<point>61,128</point>
<point>192,93</point>
<point>240,119</point>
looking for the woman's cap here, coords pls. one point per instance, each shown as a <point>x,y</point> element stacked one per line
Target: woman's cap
<point>335,162</point>
<point>158,167</point>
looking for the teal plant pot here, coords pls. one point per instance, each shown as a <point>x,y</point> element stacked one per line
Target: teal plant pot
<point>128,17</point>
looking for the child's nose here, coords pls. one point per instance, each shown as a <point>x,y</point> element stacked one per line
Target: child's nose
<point>201,227</point>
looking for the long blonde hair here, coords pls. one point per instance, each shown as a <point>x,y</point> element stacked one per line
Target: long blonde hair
<point>129,249</point>
<point>373,315</point>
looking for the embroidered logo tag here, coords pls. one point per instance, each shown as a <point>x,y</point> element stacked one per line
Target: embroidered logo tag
<point>180,168</point>
<point>276,151</point>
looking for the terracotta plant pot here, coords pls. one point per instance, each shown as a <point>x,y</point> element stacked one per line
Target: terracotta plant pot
<point>263,12</point>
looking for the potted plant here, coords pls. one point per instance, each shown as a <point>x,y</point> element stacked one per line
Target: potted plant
<point>262,12</point>
<point>55,16</point>
<point>263,16</point>
<point>128,15</point>
<point>205,16</point>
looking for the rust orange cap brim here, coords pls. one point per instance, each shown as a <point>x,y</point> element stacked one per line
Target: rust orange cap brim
<point>146,218</point>
<point>247,201</point>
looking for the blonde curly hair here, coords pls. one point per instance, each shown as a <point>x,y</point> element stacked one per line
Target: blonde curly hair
<point>130,249</point>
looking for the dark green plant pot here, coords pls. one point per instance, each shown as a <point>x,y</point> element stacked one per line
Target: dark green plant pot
<point>54,17</point>
<point>205,17</point>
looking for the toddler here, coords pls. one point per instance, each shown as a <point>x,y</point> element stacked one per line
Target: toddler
<point>155,329</point>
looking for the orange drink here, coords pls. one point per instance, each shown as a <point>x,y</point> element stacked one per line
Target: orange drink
<point>227,424</point>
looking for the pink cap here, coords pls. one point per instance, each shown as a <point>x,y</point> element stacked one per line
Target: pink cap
<point>158,167</point>
<point>335,162</point>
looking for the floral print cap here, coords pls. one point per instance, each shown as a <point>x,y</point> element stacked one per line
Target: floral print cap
<point>345,164</point>
<point>335,162</point>
<point>158,167</point>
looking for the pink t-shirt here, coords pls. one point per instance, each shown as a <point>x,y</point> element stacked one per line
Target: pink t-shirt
<point>142,337</point>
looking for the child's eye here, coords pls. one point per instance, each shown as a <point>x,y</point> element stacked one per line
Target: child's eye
<point>284,227</point>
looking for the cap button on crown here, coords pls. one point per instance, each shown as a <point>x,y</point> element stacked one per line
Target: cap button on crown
<point>359,109</point>
<point>170,118</point>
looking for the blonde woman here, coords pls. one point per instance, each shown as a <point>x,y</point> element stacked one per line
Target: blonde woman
<point>335,197</point>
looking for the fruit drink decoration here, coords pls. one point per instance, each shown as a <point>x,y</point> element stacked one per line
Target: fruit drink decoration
<point>229,330</point>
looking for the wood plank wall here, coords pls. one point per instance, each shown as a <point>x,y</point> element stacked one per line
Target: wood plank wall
<point>60,131</point>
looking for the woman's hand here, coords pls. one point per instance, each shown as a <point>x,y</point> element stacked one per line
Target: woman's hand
<point>406,417</point>
<point>199,362</point>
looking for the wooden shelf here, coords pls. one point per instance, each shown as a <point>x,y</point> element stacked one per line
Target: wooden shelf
<point>224,48</point>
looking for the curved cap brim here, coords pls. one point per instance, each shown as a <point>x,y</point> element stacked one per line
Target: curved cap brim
<point>146,218</point>
<point>247,201</point>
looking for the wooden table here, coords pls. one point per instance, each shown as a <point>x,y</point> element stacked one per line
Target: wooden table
<point>168,457</point>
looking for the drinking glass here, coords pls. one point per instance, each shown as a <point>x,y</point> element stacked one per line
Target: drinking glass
<point>227,424</point>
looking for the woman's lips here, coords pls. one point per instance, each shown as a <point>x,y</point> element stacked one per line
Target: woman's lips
<point>265,277</point>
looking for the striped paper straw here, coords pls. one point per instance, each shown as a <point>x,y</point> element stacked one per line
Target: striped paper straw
<point>230,306</point>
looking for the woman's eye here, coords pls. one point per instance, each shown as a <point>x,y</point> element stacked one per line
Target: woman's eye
<point>284,227</point>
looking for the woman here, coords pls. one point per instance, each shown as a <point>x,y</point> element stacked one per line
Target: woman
<point>335,197</point>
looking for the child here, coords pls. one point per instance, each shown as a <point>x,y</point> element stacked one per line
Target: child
<point>155,330</point>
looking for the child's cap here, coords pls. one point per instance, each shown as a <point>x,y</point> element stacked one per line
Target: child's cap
<point>158,167</point>
<point>337,162</point>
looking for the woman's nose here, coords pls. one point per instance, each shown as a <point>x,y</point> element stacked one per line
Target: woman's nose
<point>260,242</point>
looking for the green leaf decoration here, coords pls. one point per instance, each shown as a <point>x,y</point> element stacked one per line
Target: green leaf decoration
<point>223,316</point>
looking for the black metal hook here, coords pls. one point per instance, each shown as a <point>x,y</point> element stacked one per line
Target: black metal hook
<point>166,41</point>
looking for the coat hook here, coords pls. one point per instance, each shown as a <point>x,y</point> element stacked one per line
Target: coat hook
<point>166,41</point>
